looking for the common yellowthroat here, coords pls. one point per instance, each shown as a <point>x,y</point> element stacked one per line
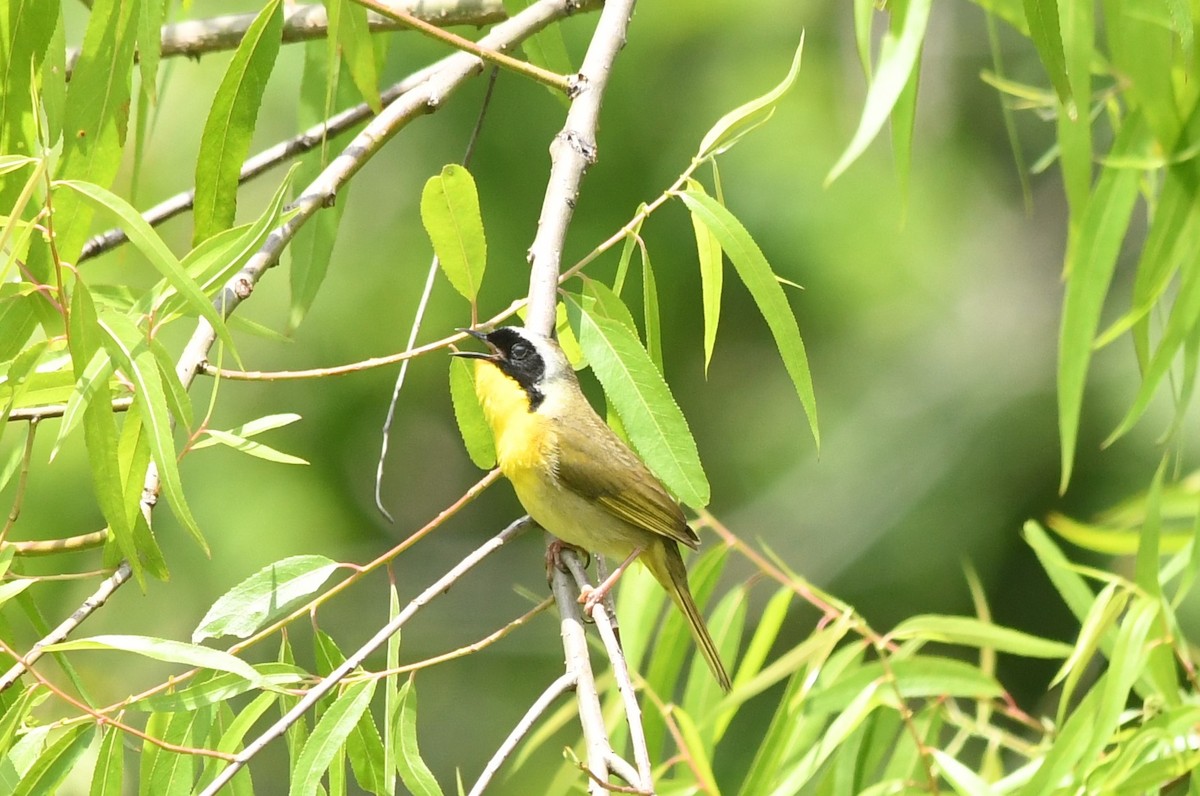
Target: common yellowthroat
<point>574,476</point>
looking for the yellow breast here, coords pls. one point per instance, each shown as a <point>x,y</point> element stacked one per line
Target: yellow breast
<point>523,438</point>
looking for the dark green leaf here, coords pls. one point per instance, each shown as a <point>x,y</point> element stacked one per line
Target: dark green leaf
<point>328,736</point>
<point>756,273</point>
<point>655,425</point>
<point>54,764</point>
<point>263,596</point>
<point>415,775</point>
<point>109,775</point>
<point>225,141</point>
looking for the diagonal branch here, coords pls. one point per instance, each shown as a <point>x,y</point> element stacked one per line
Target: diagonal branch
<point>196,37</point>
<point>440,586</point>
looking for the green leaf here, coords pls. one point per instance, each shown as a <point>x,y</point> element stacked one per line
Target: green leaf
<point>96,115</point>
<point>1111,540</point>
<point>231,742</point>
<point>546,48</point>
<point>126,344</point>
<point>653,420</point>
<point>1093,631</point>
<point>415,775</point>
<point>109,774</point>
<point>255,449</point>
<point>328,736</point>
<point>1044,29</point>
<point>11,588</point>
<point>450,213</point>
<point>918,676</point>
<point>166,650</point>
<point>1069,584</point>
<point>756,273</point>
<point>225,141</point>
<point>650,312</point>
<point>219,688</point>
<point>134,456</point>
<point>971,632</point>
<point>472,425</point>
<point>54,764</point>
<point>150,22</point>
<point>147,241</point>
<point>264,596</point>
<point>354,40</point>
<point>1090,264</point>
<point>708,251</point>
<point>391,691</point>
<point>604,303</point>
<point>254,427</point>
<point>164,772</point>
<point>730,128</point>
<point>897,58</point>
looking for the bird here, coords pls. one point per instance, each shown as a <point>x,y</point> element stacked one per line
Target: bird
<point>575,477</point>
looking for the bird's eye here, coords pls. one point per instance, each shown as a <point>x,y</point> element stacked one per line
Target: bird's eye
<point>518,351</point>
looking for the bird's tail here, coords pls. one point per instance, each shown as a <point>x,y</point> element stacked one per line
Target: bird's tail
<point>667,566</point>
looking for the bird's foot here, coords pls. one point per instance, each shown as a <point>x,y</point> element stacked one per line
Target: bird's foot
<point>554,556</point>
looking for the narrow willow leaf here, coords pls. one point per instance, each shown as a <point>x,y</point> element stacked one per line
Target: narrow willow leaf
<point>971,632</point>
<point>696,748</point>
<point>450,213</point>
<point>546,48</point>
<point>755,272</point>
<point>650,312</point>
<point>841,728</point>
<point>96,115</point>
<point>391,692</point>
<point>134,456</point>
<point>1126,665</point>
<point>897,59</point>
<point>168,773</point>
<point>147,241</point>
<point>94,383</point>
<point>250,448</point>
<point>1090,265</point>
<point>1044,29</point>
<point>1069,583</point>
<point>1101,618</point>
<point>11,588</point>
<point>328,736</point>
<point>632,239</point>
<point>161,649</point>
<point>125,343</point>
<point>918,676</point>
<point>744,118</point>
<point>712,271</point>
<point>1149,554</point>
<point>266,594</point>
<point>904,116</point>
<point>99,425</point>
<point>17,322</point>
<point>1142,50</point>
<point>1112,540</point>
<point>415,775</point>
<point>255,427</point>
<point>472,425</point>
<point>1073,119</point>
<point>231,742</point>
<point>864,16</point>
<point>150,22</point>
<point>219,688</point>
<point>605,303</point>
<point>109,775</point>
<point>28,30</point>
<point>323,88</point>
<point>225,141</point>
<point>354,40</point>
<point>17,715</point>
<point>364,747</point>
<point>653,420</point>
<point>53,765</point>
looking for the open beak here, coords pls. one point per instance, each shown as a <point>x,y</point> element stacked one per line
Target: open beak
<point>478,335</point>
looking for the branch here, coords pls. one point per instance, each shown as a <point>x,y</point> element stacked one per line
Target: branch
<point>562,685</point>
<point>579,669</point>
<point>194,38</point>
<point>543,76</point>
<point>440,586</point>
<point>573,150</point>
<point>98,598</point>
<point>48,411</point>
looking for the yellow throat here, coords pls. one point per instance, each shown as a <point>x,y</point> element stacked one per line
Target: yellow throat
<point>521,435</point>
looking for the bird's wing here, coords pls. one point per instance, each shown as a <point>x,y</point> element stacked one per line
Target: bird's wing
<point>594,463</point>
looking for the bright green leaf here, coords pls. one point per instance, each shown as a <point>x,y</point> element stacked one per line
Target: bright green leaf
<point>264,595</point>
<point>166,650</point>
<point>732,126</point>
<point>450,213</point>
<point>109,775</point>
<point>415,775</point>
<point>971,632</point>
<point>327,737</point>
<point>53,765</point>
<point>472,425</point>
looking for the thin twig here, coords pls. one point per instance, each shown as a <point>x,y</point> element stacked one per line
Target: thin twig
<point>440,586</point>
<point>49,547</point>
<point>22,481</point>
<point>562,685</point>
<point>602,616</point>
<point>461,652</point>
<point>497,57</point>
<point>102,719</point>
<point>98,598</point>
<point>49,411</point>
<point>422,304</point>
<point>196,37</point>
<point>579,668</point>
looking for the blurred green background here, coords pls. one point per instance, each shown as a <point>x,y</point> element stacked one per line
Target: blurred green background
<point>930,315</point>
